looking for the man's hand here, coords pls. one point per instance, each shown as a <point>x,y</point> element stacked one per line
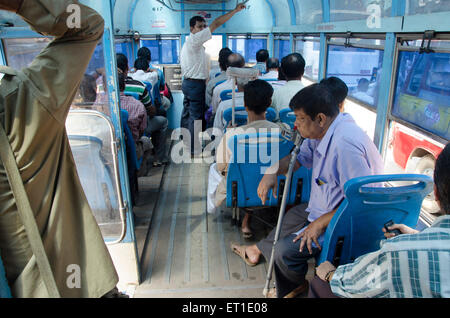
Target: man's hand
<point>323,269</point>
<point>10,5</point>
<point>269,181</point>
<point>309,235</point>
<point>240,7</point>
<point>151,110</point>
<point>401,227</point>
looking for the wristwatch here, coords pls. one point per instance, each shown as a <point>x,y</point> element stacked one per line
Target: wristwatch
<point>329,275</point>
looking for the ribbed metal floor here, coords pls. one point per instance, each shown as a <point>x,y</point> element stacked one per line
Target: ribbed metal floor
<point>187,252</point>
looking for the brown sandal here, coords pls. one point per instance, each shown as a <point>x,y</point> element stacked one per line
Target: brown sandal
<point>240,250</point>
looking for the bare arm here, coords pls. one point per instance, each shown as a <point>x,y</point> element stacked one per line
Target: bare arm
<point>224,18</point>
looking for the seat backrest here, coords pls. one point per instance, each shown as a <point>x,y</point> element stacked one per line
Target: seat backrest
<point>356,227</point>
<point>252,154</point>
<point>270,79</point>
<point>135,163</point>
<point>226,94</point>
<point>5,291</point>
<point>241,116</point>
<point>135,95</point>
<point>287,116</point>
<point>219,82</point>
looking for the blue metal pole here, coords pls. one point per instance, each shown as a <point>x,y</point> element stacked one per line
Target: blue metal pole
<point>2,54</point>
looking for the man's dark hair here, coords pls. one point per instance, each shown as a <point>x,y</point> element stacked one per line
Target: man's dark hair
<point>145,53</point>
<point>442,179</point>
<point>272,62</point>
<point>121,79</point>
<point>236,60</point>
<point>223,58</point>
<point>122,61</point>
<point>262,55</point>
<point>258,96</point>
<point>337,87</point>
<point>293,66</point>
<point>193,21</point>
<point>88,89</point>
<point>315,99</point>
<point>141,64</point>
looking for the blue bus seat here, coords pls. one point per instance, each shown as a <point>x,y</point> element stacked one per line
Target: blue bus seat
<point>241,115</point>
<point>287,116</point>
<point>245,173</point>
<point>356,227</point>
<point>135,95</point>
<point>270,79</point>
<point>226,94</point>
<point>219,82</point>
<point>217,74</point>
<point>5,291</point>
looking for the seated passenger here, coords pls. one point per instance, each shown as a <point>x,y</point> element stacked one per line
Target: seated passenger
<point>420,257</point>
<point>293,67</point>
<point>234,60</point>
<point>219,121</point>
<point>137,116</point>
<point>362,92</point>
<point>257,98</point>
<point>261,58</point>
<point>143,72</point>
<point>272,66</point>
<point>223,63</point>
<point>156,125</point>
<point>338,89</point>
<point>338,151</point>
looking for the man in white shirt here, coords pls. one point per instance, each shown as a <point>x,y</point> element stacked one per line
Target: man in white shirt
<point>194,69</point>
<point>272,70</point>
<point>144,73</point>
<point>293,67</point>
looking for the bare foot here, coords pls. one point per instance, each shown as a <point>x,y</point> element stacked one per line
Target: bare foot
<point>253,253</point>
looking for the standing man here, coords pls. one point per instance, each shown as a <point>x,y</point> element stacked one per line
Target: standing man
<point>194,68</point>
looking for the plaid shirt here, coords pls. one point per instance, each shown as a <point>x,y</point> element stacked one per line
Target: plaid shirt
<point>411,266</point>
<point>137,116</point>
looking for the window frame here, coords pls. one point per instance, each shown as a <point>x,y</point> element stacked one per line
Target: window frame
<point>305,37</point>
<point>176,37</point>
<point>249,36</point>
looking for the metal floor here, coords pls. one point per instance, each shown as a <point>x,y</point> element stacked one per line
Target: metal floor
<point>187,251</point>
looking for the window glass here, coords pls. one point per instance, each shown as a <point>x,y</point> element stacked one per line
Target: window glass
<point>20,52</point>
<point>359,68</point>
<point>311,53</point>
<point>282,48</point>
<point>153,46</point>
<point>426,6</point>
<point>247,47</point>
<point>422,91</point>
<point>164,51</point>
<point>125,48</point>
<point>345,10</point>
<point>308,12</point>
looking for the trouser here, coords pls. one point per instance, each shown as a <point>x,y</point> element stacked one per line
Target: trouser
<point>320,289</point>
<point>290,266</point>
<point>193,110</point>
<point>157,128</point>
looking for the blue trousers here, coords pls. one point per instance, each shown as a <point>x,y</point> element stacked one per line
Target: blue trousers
<point>194,108</point>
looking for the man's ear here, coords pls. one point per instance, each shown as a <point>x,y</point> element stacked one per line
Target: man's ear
<point>321,119</point>
<point>436,196</point>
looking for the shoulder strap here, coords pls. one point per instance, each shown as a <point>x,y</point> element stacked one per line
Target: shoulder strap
<point>26,214</point>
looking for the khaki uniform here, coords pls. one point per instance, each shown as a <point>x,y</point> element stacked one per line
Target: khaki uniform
<point>34,104</point>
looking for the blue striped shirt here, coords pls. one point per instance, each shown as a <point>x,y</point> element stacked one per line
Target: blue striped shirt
<point>406,266</point>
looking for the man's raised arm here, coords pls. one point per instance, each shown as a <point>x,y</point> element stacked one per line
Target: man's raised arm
<point>224,18</point>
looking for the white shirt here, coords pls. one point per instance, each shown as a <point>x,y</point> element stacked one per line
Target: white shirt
<point>140,75</point>
<point>194,61</point>
<point>282,96</point>
<point>219,122</point>
<point>270,75</point>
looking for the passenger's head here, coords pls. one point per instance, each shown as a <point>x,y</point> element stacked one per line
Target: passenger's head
<point>141,64</point>
<point>197,24</point>
<point>258,96</point>
<point>442,180</point>
<point>315,109</point>
<point>122,62</point>
<point>121,79</point>
<point>145,53</point>
<point>223,58</point>
<point>363,85</point>
<point>262,55</point>
<point>293,66</point>
<point>88,89</point>
<point>338,89</point>
<point>272,63</point>
<point>236,60</point>
<point>241,82</point>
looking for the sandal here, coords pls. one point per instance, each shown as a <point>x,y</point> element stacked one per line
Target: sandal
<point>240,250</point>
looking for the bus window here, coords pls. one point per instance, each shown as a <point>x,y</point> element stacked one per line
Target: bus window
<point>164,51</point>
<point>426,6</point>
<point>247,47</point>
<point>21,52</point>
<point>309,48</point>
<point>126,48</point>
<point>282,46</point>
<point>344,10</point>
<point>422,95</point>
